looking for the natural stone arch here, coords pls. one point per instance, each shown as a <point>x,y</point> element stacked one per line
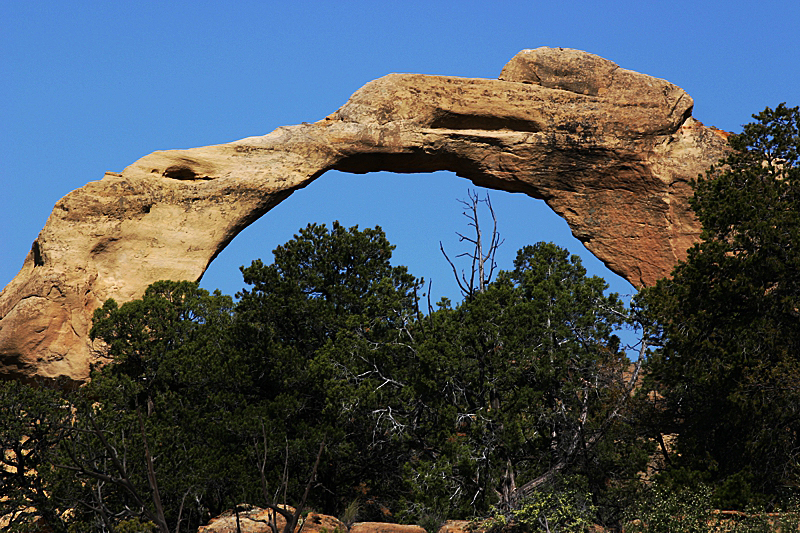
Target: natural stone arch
<point>610,150</point>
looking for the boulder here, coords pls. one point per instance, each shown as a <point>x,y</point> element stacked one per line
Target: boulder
<point>256,520</point>
<point>383,527</point>
<point>320,523</point>
<point>456,526</point>
<point>250,519</point>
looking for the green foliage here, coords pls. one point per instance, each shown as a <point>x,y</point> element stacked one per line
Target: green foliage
<point>320,281</point>
<point>130,525</point>
<point>691,510</point>
<point>33,423</point>
<point>517,382</point>
<point>673,511</point>
<point>333,316</point>
<point>209,403</point>
<point>134,525</point>
<point>178,386</point>
<point>233,396</point>
<point>729,327</point>
<point>350,514</point>
<point>565,510</point>
<point>755,521</point>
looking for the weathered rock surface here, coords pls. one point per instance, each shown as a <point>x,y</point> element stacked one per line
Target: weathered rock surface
<point>384,527</point>
<point>610,150</point>
<point>457,526</point>
<point>321,523</point>
<point>252,519</point>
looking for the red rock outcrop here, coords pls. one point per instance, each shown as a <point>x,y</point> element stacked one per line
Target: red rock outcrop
<point>320,523</point>
<point>457,526</point>
<point>253,519</point>
<point>249,519</point>
<point>610,150</point>
<point>384,527</point>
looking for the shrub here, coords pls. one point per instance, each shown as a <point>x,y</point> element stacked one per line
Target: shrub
<point>562,510</point>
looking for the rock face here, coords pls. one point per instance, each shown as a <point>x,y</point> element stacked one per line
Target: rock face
<point>457,526</point>
<point>383,527</point>
<point>253,519</point>
<point>610,150</point>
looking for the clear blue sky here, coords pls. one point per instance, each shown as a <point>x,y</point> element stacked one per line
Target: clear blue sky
<point>92,86</point>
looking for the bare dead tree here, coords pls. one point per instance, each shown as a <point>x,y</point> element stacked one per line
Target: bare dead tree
<point>482,254</point>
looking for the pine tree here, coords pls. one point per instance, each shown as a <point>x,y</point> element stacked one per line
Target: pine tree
<point>729,320</point>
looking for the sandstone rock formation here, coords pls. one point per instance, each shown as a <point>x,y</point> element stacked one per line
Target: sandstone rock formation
<point>253,519</point>
<point>610,150</point>
<point>384,527</point>
<point>249,519</point>
<point>457,526</point>
<point>320,523</point>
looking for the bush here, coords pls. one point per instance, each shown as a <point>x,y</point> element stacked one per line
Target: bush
<point>561,510</point>
<point>666,511</point>
<point>662,510</point>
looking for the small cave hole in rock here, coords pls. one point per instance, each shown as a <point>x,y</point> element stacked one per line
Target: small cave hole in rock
<point>180,172</point>
<point>38,260</point>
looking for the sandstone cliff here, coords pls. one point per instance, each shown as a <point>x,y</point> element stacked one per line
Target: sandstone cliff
<point>610,150</point>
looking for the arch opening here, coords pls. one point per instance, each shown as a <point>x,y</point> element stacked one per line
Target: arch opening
<point>416,211</point>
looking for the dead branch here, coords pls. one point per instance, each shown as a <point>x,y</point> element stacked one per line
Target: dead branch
<point>482,255</point>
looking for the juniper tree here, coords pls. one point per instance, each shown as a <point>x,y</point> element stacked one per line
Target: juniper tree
<point>728,320</point>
